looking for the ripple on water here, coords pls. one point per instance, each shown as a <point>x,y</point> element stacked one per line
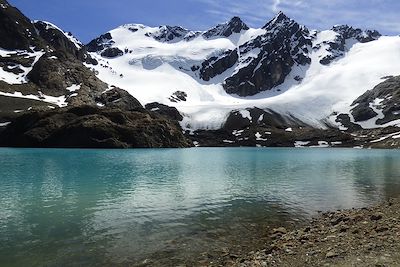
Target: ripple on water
<point>107,207</point>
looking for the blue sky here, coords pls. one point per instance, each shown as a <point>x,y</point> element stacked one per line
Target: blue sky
<point>87,19</point>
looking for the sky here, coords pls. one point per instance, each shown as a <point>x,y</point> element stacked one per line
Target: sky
<point>87,19</point>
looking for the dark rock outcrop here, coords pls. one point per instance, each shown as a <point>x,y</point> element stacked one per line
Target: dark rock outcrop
<point>235,25</point>
<point>385,97</point>
<point>63,41</point>
<point>112,52</point>
<point>92,127</point>
<point>269,136</point>
<point>168,34</point>
<point>178,96</point>
<point>167,111</point>
<point>118,98</point>
<point>54,75</point>
<point>269,58</point>
<point>259,117</point>
<point>100,43</point>
<point>217,65</point>
<point>56,38</point>
<point>16,30</point>
<point>337,47</point>
<point>363,36</point>
<point>345,120</point>
<point>363,112</point>
<point>58,68</point>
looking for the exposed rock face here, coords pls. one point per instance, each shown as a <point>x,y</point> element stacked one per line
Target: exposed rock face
<point>112,52</point>
<point>118,98</point>
<point>217,65</point>
<point>385,97</point>
<point>178,96</point>
<point>56,38</point>
<point>345,120</point>
<point>258,127</point>
<point>269,136</point>
<point>347,32</point>
<point>264,61</point>
<point>58,66</point>
<point>100,43</point>
<point>256,117</point>
<point>92,127</point>
<point>235,25</point>
<point>8,106</point>
<point>54,75</point>
<point>14,62</point>
<point>363,112</point>
<point>165,110</point>
<point>337,48</point>
<point>16,30</point>
<point>284,44</point>
<point>169,33</point>
<point>63,41</point>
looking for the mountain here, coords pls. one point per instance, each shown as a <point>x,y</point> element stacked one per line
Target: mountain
<point>42,72</point>
<point>41,62</point>
<point>282,78</point>
<point>284,67</point>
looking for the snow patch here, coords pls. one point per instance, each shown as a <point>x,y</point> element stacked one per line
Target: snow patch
<point>237,132</point>
<point>59,101</point>
<point>246,114</point>
<point>259,137</point>
<point>321,144</point>
<point>301,143</point>
<point>4,124</point>
<point>19,78</point>
<point>393,135</point>
<point>74,87</point>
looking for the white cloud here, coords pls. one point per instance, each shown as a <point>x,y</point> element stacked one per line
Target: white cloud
<point>316,14</point>
<point>275,5</point>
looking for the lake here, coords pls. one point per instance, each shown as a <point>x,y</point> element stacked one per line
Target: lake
<point>162,207</point>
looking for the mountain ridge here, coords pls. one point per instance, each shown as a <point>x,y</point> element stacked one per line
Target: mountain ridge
<point>299,77</point>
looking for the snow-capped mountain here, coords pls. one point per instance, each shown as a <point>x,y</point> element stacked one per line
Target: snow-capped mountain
<point>41,65</point>
<point>312,76</point>
<point>282,71</point>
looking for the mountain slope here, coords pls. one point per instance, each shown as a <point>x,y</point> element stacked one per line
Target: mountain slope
<point>294,76</point>
<point>39,61</point>
<point>283,67</point>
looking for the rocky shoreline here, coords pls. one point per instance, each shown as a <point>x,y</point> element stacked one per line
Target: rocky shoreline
<point>357,237</point>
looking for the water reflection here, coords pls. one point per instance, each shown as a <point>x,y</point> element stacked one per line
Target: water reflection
<point>115,207</point>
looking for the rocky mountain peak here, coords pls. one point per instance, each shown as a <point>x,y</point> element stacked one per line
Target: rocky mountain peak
<point>279,19</point>
<point>100,43</point>
<point>339,45</point>
<point>59,39</point>
<point>363,36</point>
<point>237,25</point>
<point>168,33</point>
<point>284,45</point>
<point>234,25</point>
<point>16,30</point>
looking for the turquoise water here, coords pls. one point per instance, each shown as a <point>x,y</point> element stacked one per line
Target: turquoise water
<point>164,207</point>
